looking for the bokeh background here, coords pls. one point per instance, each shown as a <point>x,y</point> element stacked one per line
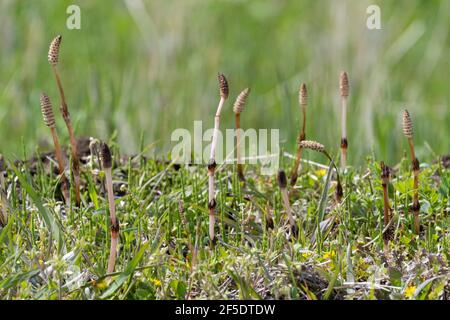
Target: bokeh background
<point>148,67</point>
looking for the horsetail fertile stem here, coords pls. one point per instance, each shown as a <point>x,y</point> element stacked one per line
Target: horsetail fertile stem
<point>387,233</point>
<point>344,88</point>
<point>315,146</point>
<point>303,100</point>
<point>238,107</point>
<point>49,120</point>
<point>53,57</point>
<point>282,183</point>
<point>105,155</point>
<point>408,132</point>
<point>223,86</point>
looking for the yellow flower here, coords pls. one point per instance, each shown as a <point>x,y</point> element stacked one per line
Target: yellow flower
<point>409,291</point>
<point>329,255</point>
<point>306,254</point>
<point>320,173</point>
<point>102,285</point>
<point>156,282</point>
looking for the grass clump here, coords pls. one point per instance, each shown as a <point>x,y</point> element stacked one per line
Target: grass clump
<point>165,249</point>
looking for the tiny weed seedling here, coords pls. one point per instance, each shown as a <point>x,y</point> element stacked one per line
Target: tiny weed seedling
<point>303,100</point>
<point>344,90</point>
<point>224,90</point>
<point>53,57</point>
<point>105,156</point>
<point>408,132</point>
<point>49,120</point>
<point>238,107</point>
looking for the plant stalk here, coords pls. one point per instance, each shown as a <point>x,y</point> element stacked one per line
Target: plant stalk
<point>282,183</point>
<point>387,234</point>
<point>240,167</point>
<point>211,171</point>
<point>344,141</point>
<point>301,137</point>
<point>416,170</point>
<point>73,144</point>
<point>114,222</point>
<point>59,159</point>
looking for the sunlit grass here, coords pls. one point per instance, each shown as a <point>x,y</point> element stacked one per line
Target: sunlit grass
<point>164,249</point>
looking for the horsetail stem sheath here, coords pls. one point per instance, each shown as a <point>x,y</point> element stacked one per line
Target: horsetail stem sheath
<point>269,217</point>
<point>105,155</point>
<point>53,58</point>
<point>224,90</point>
<point>409,134</point>
<point>238,107</point>
<point>282,183</point>
<point>388,232</point>
<point>316,146</point>
<point>344,90</point>
<point>303,100</point>
<point>49,120</point>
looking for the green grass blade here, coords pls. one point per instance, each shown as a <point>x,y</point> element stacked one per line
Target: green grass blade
<point>46,215</point>
<point>4,232</point>
<point>17,278</point>
<point>131,266</point>
<point>324,197</point>
<point>246,290</point>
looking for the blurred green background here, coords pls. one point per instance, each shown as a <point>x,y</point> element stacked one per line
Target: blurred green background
<point>151,66</point>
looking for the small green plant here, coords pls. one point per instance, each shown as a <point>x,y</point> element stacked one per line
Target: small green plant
<point>303,100</point>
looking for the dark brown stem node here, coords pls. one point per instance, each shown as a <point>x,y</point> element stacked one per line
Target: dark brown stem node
<point>212,204</point>
<point>282,181</point>
<point>344,143</point>
<point>416,164</point>
<point>212,165</point>
<point>115,227</point>
<point>339,192</point>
